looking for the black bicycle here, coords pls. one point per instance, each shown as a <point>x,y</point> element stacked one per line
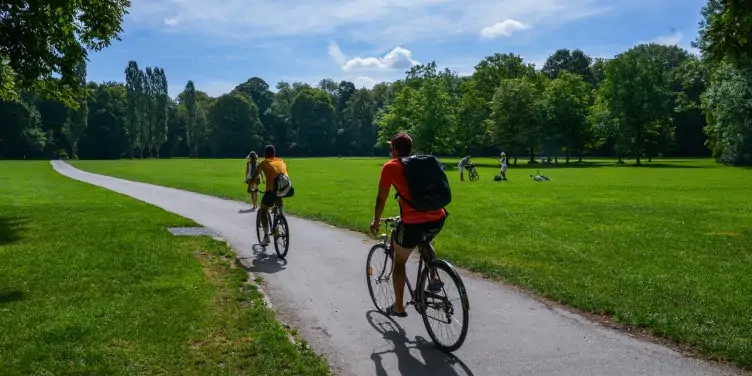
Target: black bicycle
<point>430,292</point>
<point>279,229</point>
<point>472,173</point>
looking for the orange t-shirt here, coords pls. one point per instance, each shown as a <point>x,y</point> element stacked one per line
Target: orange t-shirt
<point>392,174</point>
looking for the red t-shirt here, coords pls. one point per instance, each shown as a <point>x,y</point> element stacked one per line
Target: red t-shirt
<point>392,174</point>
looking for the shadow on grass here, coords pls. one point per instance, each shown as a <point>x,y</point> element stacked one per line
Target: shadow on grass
<point>435,361</point>
<point>11,296</point>
<point>10,228</point>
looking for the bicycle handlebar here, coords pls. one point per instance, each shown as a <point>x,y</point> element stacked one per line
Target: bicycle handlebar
<point>390,219</point>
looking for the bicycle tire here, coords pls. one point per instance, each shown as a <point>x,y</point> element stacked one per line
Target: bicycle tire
<point>259,226</point>
<point>465,305</point>
<point>369,280</point>
<point>281,222</point>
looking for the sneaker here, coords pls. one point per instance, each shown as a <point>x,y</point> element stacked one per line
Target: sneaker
<point>265,242</point>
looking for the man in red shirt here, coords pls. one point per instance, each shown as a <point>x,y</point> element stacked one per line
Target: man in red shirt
<point>413,225</point>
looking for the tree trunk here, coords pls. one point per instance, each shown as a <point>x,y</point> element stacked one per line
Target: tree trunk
<point>532,155</point>
<point>515,160</point>
<point>650,158</point>
<point>569,152</point>
<point>638,159</point>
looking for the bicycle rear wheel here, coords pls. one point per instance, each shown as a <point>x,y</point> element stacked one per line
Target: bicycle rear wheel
<point>440,309</point>
<point>281,232</point>
<point>259,226</point>
<point>379,276</point>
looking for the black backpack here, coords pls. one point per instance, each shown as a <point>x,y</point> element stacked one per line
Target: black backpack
<point>428,184</point>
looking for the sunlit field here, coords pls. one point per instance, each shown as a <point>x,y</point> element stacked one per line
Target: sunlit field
<point>666,246</point>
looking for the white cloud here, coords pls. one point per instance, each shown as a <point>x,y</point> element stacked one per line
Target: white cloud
<point>398,58</point>
<point>336,53</point>
<point>372,21</point>
<point>670,40</point>
<point>366,82</point>
<point>171,21</point>
<point>504,28</point>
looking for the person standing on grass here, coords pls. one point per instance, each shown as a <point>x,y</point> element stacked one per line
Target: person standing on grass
<point>503,161</point>
<point>251,162</point>
<point>463,162</point>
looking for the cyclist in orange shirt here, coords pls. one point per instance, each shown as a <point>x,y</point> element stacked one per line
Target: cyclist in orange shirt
<point>272,168</point>
<point>413,225</point>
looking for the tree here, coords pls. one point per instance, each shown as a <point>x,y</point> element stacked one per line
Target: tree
<point>359,114</point>
<point>236,126</point>
<point>75,125</point>
<point>727,106</point>
<point>134,85</point>
<point>434,118</point>
<point>21,135</point>
<point>399,117</point>
<point>516,117</point>
<point>106,136</point>
<point>470,129</point>
<point>567,100</point>
<point>44,38</point>
<point>726,32</point>
<point>312,118</point>
<point>492,70</point>
<point>564,60</point>
<point>189,100</point>
<point>638,103</point>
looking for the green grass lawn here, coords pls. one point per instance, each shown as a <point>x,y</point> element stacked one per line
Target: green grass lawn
<point>666,247</point>
<point>92,283</point>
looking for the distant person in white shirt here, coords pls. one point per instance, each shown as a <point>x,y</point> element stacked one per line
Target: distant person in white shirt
<point>463,162</point>
<point>503,161</point>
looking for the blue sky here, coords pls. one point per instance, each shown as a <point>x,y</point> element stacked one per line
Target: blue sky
<point>219,45</point>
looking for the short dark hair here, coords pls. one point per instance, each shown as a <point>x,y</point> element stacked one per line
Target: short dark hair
<point>402,144</point>
<point>269,151</point>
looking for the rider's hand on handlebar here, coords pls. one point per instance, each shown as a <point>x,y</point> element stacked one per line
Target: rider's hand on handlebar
<point>375,225</point>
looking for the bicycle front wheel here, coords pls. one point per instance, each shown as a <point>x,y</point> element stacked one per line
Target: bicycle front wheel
<point>445,305</point>
<point>379,276</point>
<point>281,235</point>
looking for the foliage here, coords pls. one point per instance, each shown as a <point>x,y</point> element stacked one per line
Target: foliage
<point>728,104</point>
<point>44,38</point>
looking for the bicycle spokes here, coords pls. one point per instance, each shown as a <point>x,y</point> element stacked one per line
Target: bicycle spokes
<point>443,303</point>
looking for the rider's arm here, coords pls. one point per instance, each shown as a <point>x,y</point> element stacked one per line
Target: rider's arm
<point>259,167</point>
<point>385,183</point>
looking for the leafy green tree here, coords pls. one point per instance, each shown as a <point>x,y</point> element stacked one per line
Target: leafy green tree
<point>134,85</point>
<point>45,38</point>
<point>359,115</point>
<point>726,32</point>
<point>567,101</point>
<point>638,102</point>
<point>517,117</point>
<point>106,136</point>
<point>564,60</point>
<point>312,118</point>
<point>75,125</point>
<point>434,119</point>
<point>21,135</point>
<point>470,129</point>
<point>726,104</point>
<point>192,123</point>
<point>236,126</point>
<point>401,116</point>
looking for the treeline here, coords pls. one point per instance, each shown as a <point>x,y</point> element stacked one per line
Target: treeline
<point>649,101</point>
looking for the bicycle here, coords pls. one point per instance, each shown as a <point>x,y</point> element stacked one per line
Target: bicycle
<point>279,229</point>
<point>472,173</point>
<point>425,288</point>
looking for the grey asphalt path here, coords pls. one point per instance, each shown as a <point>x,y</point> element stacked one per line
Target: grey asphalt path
<point>321,290</point>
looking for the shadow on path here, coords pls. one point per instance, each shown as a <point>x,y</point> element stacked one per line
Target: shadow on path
<point>10,226</point>
<point>263,262</point>
<point>435,362</point>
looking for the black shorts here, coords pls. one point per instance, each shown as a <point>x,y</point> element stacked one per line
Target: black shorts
<point>269,198</point>
<point>410,235</point>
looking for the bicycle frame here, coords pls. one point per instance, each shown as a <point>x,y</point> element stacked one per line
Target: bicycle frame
<point>427,254</point>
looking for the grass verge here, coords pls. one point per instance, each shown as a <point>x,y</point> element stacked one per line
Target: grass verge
<point>91,282</point>
<point>664,247</point>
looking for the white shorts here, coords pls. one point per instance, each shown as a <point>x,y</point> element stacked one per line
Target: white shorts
<point>503,168</point>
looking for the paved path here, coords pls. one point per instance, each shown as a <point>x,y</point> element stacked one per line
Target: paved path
<point>321,290</point>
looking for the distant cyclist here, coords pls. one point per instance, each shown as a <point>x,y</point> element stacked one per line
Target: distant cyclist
<point>277,185</point>
<point>414,223</point>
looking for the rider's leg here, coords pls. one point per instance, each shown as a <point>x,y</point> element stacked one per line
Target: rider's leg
<point>406,238</point>
<point>254,195</point>
<point>267,200</point>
